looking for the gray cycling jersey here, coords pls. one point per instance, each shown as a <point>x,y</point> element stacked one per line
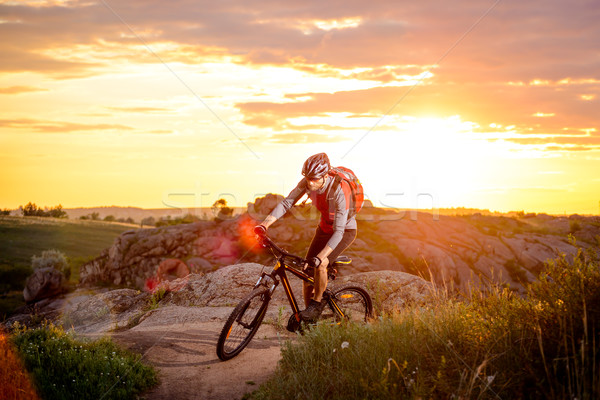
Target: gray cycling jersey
<point>335,221</point>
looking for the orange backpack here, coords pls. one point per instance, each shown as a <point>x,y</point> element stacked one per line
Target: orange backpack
<point>357,199</point>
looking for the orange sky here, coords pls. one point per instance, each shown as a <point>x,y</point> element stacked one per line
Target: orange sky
<point>489,104</point>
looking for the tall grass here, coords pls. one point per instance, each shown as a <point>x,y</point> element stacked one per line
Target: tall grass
<point>63,367</point>
<point>14,380</point>
<point>491,344</point>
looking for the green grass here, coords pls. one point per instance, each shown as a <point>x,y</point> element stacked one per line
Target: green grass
<point>21,238</point>
<point>491,344</point>
<point>64,367</point>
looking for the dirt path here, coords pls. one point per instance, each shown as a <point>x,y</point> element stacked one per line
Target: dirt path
<point>184,353</point>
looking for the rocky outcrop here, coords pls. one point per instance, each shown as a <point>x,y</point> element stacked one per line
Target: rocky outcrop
<point>196,297</point>
<point>136,255</point>
<point>43,283</point>
<point>457,250</point>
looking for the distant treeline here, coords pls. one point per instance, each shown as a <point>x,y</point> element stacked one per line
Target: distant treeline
<point>32,210</point>
<point>219,209</point>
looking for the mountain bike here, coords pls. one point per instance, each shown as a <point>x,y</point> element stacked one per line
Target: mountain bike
<point>345,302</point>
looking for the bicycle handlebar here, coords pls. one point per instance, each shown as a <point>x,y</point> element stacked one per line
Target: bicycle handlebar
<point>261,232</point>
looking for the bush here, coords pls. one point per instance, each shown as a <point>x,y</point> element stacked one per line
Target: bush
<point>491,344</point>
<point>150,221</point>
<point>66,368</point>
<point>52,258</point>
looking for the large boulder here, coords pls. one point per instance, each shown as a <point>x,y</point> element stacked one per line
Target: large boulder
<point>43,283</point>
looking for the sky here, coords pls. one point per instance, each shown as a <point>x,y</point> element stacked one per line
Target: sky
<point>433,104</point>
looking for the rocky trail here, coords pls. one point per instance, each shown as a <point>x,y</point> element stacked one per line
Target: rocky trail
<point>184,353</point>
<point>178,331</point>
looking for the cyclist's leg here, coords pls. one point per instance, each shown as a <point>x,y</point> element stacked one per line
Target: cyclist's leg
<point>319,241</point>
<point>321,273</point>
<point>347,239</point>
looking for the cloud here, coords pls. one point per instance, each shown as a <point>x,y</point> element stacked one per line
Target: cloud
<point>20,89</point>
<point>521,60</point>
<point>58,126</point>
<point>296,138</point>
<point>140,110</point>
<point>532,44</point>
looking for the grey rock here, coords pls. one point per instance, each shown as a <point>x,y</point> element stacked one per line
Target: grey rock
<point>43,283</point>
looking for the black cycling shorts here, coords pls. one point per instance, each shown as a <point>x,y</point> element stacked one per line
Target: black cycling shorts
<point>320,240</point>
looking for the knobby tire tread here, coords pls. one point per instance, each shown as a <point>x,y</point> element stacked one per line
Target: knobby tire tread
<point>221,352</point>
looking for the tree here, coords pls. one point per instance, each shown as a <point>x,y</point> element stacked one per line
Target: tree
<point>220,208</point>
<point>110,218</point>
<point>148,221</point>
<point>56,212</point>
<point>31,209</point>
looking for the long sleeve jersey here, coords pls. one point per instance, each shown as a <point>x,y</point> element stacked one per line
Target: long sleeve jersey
<point>334,211</point>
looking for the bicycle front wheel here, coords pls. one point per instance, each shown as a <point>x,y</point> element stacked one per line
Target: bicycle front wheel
<point>242,324</point>
<point>350,302</point>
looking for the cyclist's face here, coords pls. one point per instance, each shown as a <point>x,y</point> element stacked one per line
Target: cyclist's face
<point>315,184</point>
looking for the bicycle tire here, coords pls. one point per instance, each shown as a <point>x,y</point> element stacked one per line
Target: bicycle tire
<point>353,300</point>
<point>242,324</point>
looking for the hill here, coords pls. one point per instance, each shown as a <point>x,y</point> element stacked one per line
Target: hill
<point>23,237</point>
<point>137,214</point>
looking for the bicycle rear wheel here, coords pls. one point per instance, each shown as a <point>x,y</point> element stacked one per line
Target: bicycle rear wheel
<point>350,302</point>
<point>242,324</point>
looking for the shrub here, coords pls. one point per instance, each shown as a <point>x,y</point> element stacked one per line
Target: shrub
<point>491,344</point>
<point>66,368</point>
<point>150,221</point>
<point>52,258</point>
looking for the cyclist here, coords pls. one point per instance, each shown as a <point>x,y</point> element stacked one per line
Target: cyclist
<point>335,232</point>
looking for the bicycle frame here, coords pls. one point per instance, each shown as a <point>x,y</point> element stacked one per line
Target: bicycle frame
<point>279,275</point>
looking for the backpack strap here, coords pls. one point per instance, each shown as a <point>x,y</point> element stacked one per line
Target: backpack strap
<point>331,193</point>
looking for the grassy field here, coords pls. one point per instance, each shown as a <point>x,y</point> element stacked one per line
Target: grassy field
<point>23,237</point>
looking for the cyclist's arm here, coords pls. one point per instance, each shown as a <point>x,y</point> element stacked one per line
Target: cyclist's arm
<point>340,219</point>
<point>285,205</point>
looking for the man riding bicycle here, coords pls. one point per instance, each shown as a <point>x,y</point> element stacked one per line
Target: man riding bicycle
<point>336,230</point>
